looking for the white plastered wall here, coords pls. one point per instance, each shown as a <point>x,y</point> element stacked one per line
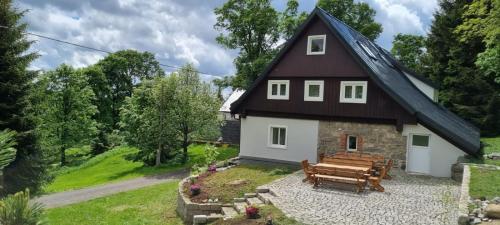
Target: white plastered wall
<point>302,139</point>
<point>423,87</point>
<point>443,154</point>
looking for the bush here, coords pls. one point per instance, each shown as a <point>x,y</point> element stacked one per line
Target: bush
<point>211,154</point>
<point>16,210</point>
<point>252,212</point>
<point>195,189</point>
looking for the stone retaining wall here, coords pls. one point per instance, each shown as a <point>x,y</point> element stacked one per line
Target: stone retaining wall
<point>463,204</point>
<point>382,139</point>
<point>187,209</point>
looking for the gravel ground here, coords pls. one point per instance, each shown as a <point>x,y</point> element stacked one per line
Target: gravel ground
<point>80,195</point>
<point>407,200</point>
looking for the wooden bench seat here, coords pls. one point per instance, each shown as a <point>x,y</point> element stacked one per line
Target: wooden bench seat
<point>348,176</point>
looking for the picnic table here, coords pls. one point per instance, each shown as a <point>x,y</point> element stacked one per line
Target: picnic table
<point>351,170</point>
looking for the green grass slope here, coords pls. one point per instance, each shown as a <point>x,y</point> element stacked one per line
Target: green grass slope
<point>116,165</point>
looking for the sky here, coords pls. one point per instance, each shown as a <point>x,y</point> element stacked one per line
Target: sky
<point>175,31</point>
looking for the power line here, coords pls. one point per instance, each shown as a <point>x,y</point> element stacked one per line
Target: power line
<point>99,50</point>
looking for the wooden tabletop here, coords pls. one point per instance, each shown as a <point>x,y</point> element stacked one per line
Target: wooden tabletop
<point>364,169</point>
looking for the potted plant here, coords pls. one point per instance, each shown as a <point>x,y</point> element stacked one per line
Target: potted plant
<point>252,212</point>
<point>195,189</point>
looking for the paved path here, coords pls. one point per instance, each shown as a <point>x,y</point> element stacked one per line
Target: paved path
<point>80,195</point>
<point>418,200</point>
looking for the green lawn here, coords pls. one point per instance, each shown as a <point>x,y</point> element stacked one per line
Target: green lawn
<point>218,185</point>
<point>117,164</point>
<point>150,205</point>
<point>484,183</point>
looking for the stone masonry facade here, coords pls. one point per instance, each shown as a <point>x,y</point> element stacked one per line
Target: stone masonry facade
<point>381,139</point>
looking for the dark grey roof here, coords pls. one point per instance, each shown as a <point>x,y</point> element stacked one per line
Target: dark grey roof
<point>388,74</point>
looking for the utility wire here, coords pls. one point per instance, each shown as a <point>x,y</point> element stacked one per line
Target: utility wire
<point>99,50</point>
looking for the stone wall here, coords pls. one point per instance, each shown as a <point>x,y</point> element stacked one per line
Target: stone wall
<point>187,209</point>
<point>382,139</point>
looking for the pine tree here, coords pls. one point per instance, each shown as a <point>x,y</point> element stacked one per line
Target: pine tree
<point>463,89</point>
<point>28,169</point>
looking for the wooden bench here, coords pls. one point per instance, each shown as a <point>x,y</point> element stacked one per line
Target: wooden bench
<point>347,176</point>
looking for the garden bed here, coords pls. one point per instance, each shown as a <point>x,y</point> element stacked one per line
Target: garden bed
<point>226,185</point>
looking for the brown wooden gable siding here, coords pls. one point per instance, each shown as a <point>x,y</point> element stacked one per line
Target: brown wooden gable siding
<point>336,62</point>
<point>336,65</point>
<point>378,106</point>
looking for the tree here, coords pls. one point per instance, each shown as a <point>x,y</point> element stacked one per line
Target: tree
<point>252,27</point>
<point>7,151</point>
<point>196,107</point>
<point>409,50</point>
<point>147,123</point>
<point>28,170</point>
<point>480,21</point>
<point>291,19</point>
<point>221,84</point>
<point>104,116</point>
<point>65,115</point>
<point>122,70</point>
<point>357,15</point>
<point>452,65</point>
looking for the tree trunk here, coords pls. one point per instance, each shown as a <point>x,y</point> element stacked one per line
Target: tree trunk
<point>158,156</point>
<point>63,156</point>
<point>185,145</point>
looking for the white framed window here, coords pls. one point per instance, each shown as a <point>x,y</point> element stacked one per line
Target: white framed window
<point>278,136</point>
<point>316,44</point>
<point>352,143</point>
<point>313,90</point>
<point>420,140</point>
<point>353,91</point>
<point>278,89</point>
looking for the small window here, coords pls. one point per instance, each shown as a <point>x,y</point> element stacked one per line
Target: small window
<point>313,90</point>
<point>352,143</point>
<point>278,89</point>
<point>353,91</point>
<point>420,140</point>
<point>316,44</point>
<point>277,136</point>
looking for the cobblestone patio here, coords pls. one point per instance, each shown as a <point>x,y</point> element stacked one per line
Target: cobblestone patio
<point>407,200</point>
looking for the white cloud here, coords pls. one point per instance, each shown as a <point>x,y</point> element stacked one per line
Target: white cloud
<point>177,32</point>
<point>402,16</point>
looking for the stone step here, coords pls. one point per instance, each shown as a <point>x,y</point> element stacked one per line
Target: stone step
<point>240,207</point>
<point>250,195</point>
<point>254,201</point>
<point>267,198</point>
<point>262,190</point>
<point>238,199</point>
<point>229,212</point>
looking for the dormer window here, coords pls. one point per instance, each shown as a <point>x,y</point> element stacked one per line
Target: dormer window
<point>278,89</point>
<point>353,91</point>
<point>316,44</point>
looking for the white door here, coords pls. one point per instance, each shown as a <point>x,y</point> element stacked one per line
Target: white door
<point>419,154</point>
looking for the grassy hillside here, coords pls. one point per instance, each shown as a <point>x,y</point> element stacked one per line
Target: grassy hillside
<point>117,164</point>
<point>484,183</point>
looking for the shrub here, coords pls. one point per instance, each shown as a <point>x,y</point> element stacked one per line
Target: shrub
<point>195,189</point>
<point>16,210</point>
<point>252,212</point>
<point>211,154</point>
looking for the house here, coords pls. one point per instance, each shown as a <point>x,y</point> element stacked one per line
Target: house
<point>332,89</point>
<point>230,129</point>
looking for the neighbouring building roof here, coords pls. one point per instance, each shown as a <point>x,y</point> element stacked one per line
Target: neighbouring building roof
<point>226,107</point>
<point>388,74</point>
